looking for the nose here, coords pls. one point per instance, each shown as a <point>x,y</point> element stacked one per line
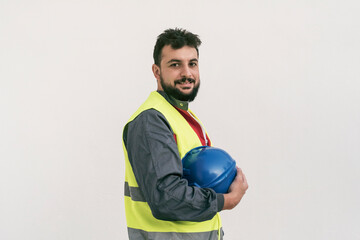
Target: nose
<point>186,72</point>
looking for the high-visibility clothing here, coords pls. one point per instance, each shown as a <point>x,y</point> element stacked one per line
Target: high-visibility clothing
<point>140,220</point>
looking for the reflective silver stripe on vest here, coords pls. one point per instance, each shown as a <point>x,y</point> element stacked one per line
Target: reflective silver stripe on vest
<point>137,234</point>
<point>134,193</point>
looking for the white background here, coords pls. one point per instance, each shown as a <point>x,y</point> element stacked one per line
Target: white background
<point>280,92</point>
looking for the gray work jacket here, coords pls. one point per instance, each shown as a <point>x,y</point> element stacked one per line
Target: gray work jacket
<point>152,126</point>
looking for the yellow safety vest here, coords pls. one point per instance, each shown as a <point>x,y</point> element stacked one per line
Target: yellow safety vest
<point>138,213</point>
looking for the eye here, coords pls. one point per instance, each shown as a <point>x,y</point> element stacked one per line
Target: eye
<point>193,64</point>
<point>174,65</point>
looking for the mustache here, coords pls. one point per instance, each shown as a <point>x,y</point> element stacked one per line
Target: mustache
<point>183,80</point>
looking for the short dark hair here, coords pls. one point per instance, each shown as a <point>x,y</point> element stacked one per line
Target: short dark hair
<point>176,38</point>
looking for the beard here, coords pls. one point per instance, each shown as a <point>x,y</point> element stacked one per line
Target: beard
<point>176,93</point>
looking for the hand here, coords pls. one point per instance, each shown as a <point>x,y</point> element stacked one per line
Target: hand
<point>237,190</point>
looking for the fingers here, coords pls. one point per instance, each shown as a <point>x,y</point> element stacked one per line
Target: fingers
<point>245,182</point>
<point>241,175</point>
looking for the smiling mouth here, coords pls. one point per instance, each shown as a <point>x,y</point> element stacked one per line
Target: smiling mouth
<point>185,81</point>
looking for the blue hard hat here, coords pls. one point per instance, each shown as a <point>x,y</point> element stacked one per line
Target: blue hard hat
<point>209,167</point>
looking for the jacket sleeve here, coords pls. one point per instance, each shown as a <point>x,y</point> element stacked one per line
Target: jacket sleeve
<point>155,160</point>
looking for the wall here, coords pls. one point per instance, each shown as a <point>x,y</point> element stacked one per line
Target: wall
<point>280,92</point>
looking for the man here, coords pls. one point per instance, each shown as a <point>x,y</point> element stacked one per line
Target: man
<point>158,201</point>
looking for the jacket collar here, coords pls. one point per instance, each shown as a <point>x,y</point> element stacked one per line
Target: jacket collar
<point>173,101</point>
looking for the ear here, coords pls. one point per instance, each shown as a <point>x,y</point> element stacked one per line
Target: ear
<point>156,71</point>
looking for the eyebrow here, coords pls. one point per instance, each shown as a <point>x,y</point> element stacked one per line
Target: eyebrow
<point>177,60</point>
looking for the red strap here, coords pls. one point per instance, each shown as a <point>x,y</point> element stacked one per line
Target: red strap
<point>195,126</point>
<point>175,138</point>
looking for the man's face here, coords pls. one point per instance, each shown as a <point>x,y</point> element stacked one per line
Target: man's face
<point>178,74</point>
